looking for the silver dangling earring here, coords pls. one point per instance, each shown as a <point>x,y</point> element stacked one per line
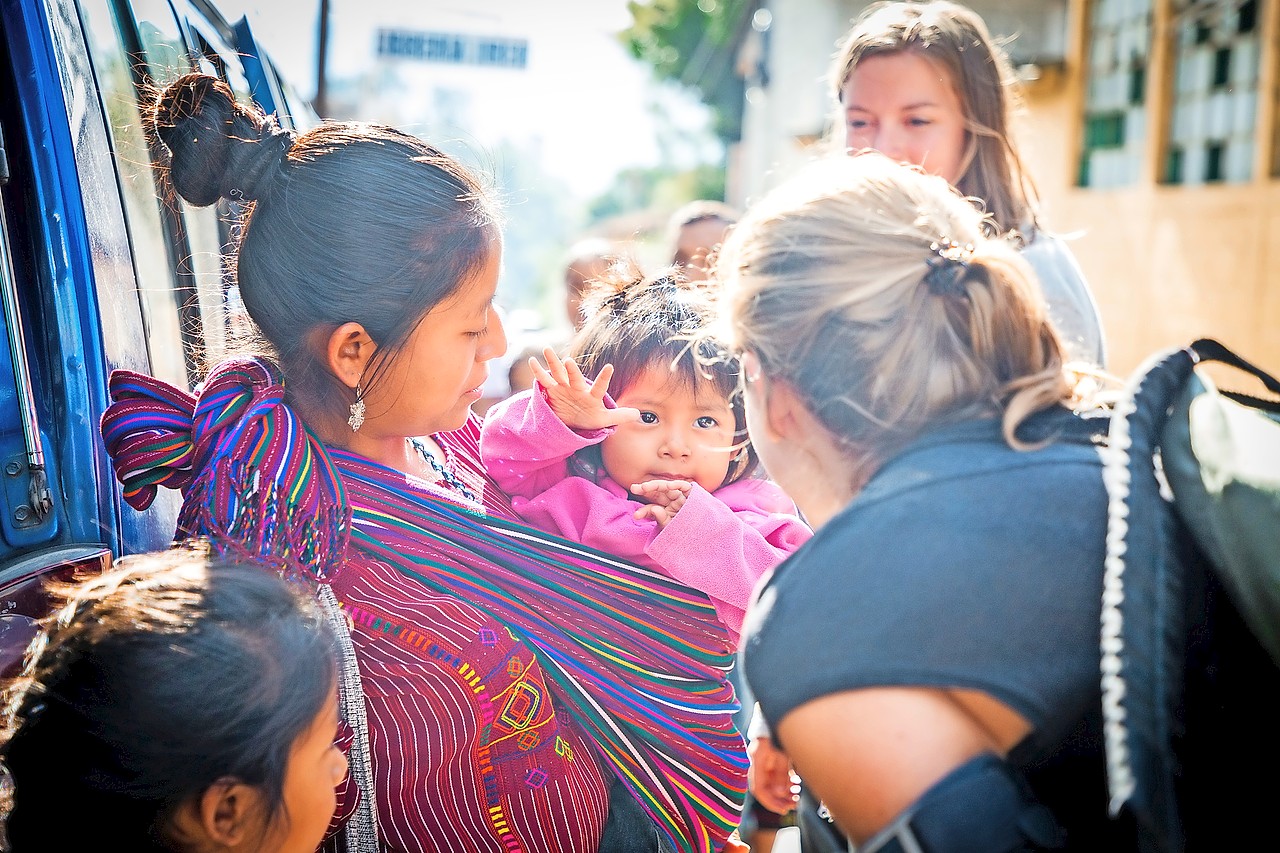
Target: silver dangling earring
<point>357,411</point>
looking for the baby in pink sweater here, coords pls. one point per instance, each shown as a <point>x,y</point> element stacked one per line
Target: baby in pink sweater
<point>659,474</point>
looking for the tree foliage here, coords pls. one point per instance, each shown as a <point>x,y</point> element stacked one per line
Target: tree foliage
<point>656,187</point>
<point>694,43</point>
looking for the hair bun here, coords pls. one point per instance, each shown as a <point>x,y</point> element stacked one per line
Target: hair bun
<point>219,147</point>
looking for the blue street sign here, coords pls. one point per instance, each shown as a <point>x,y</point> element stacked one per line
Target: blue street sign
<point>454,48</point>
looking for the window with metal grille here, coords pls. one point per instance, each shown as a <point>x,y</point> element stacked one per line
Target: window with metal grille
<point>1214,104</point>
<point>1119,47</point>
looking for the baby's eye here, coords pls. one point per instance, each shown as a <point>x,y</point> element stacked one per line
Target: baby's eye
<point>648,418</point>
<point>706,422</point>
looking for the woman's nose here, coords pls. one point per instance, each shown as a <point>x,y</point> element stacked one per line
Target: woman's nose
<point>888,142</point>
<point>495,339</point>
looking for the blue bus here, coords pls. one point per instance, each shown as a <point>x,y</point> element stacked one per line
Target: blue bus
<point>100,267</point>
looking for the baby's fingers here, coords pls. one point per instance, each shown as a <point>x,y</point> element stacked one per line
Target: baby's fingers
<point>647,488</point>
<point>661,492</point>
<point>622,415</point>
<point>655,512</point>
<point>601,386</point>
<point>574,377</point>
<point>540,374</point>
<point>555,367</point>
<point>673,486</point>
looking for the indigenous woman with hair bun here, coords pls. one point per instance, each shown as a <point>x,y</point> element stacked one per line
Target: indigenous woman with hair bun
<point>929,660</point>
<point>490,708</point>
<point>660,474</point>
<point>924,82</point>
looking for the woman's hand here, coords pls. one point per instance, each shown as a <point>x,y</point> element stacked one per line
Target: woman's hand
<point>664,499</point>
<point>579,404</point>
<point>770,778</point>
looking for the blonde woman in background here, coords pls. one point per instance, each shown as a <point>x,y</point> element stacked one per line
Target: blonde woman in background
<point>926,84</point>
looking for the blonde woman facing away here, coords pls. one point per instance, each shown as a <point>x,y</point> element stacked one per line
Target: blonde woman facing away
<point>929,660</point>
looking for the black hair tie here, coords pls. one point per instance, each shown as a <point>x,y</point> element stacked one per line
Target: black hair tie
<point>948,268</point>
<point>617,303</point>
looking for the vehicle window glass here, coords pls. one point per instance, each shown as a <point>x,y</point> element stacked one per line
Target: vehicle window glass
<point>210,247</point>
<point>207,236</point>
<point>151,241</point>
<point>122,332</point>
<point>218,57</point>
<point>302,116</point>
<point>163,49</point>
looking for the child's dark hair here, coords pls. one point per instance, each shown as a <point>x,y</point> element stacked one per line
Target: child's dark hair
<point>350,222</point>
<point>638,323</point>
<point>149,684</point>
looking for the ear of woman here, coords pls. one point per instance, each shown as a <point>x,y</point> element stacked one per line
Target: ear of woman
<point>797,450</point>
<point>348,351</point>
<point>227,815</point>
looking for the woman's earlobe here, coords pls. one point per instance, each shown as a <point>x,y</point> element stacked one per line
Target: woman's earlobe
<point>785,414</point>
<point>219,816</point>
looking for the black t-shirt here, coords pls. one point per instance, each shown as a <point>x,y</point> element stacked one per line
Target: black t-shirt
<point>962,563</point>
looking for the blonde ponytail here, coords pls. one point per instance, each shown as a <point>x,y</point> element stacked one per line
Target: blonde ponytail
<point>876,292</point>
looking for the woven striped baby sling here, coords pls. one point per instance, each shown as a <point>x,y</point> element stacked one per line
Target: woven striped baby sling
<point>639,659</point>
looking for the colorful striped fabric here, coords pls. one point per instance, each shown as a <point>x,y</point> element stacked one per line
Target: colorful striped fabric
<point>639,659</point>
<point>244,462</point>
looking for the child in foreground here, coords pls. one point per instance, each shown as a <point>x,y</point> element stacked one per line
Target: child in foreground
<point>178,702</point>
<point>660,474</point>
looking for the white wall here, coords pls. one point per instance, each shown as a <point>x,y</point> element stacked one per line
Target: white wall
<point>782,119</point>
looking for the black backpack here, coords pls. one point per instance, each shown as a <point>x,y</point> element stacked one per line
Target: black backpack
<point>1191,606</point>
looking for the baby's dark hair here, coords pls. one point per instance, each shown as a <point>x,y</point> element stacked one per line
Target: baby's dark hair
<point>150,683</point>
<point>348,222</point>
<point>638,323</point>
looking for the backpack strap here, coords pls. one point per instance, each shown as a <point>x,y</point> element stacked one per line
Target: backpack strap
<point>1207,349</point>
<point>1142,620</point>
<point>1220,453</point>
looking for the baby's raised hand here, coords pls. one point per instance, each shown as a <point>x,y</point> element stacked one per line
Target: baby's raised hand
<point>579,404</point>
<point>665,497</point>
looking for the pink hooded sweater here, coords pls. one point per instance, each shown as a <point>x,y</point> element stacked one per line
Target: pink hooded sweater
<point>719,542</point>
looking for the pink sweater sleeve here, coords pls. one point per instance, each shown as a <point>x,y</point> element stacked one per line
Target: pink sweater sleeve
<point>600,516</point>
<point>723,543</point>
<point>525,447</point>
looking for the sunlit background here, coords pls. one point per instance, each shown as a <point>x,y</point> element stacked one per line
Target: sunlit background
<point>577,137</point>
<point>1148,125</point>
